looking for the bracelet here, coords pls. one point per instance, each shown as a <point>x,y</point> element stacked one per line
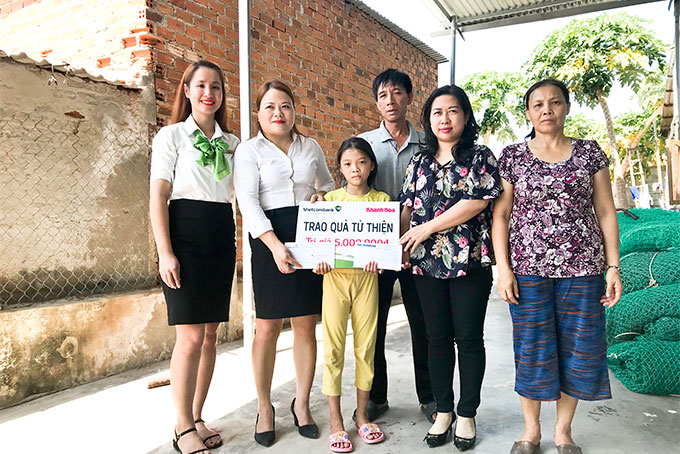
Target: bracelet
<point>616,267</point>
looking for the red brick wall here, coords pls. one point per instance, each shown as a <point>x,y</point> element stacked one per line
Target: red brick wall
<point>190,30</point>
<point>327,51</point>
<point>12,6</point>
<point>110,38</point>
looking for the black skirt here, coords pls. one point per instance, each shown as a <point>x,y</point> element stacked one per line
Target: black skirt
<point>279,295</point>
<point>202,237</point>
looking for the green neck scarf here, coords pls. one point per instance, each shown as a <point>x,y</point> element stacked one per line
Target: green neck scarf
<point>213,152</point>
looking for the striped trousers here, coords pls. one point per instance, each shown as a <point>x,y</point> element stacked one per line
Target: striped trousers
<point>559,338</point>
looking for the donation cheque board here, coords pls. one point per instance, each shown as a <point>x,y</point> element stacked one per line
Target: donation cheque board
<point>348,234</point>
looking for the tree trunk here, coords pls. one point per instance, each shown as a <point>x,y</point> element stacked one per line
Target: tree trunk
<point>648,124</point>
<point>487,137</point>
<point>622,198</point>
<point>635,143</point>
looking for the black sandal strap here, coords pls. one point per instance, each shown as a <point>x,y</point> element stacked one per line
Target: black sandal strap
<point>191,429</point>
<point>210,437</point>
<point>200,450</point>
<point>199,420</point>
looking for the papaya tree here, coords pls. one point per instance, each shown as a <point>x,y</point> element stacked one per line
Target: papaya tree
<point>498,98</point>
<point>582,127</point>
<point>590,56</point>
<point>636,126</point>
<point>637,137</point>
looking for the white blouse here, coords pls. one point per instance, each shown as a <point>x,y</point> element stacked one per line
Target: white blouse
<point>266,178</point>
<point>174,156</point>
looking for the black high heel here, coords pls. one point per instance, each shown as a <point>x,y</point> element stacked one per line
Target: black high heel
<point>266,439</point>
<point>434,441</point>
<point>308,430</point>
<point>463,444</point>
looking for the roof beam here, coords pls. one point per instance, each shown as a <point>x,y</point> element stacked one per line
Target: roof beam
<point>443,10</point>
<point>529,13</point>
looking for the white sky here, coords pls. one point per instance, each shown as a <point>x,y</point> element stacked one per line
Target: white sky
<point>507,48</point>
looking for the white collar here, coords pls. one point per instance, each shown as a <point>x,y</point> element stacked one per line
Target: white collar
<point>190,127</point>
<point>261,136</point>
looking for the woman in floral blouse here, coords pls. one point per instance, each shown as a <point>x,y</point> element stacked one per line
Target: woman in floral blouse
<point>446,219</point>
<point>555,233</point>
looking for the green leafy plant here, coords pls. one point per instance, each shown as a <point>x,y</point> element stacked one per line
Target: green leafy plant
<point>590,56</point>
<point>497,100</point>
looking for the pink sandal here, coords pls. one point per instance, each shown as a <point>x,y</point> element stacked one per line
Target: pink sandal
<point>369,429</point>
<point>336,440</point>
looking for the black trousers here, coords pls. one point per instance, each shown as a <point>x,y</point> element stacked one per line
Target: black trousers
<point>454,311</point>
<point>418,336</point>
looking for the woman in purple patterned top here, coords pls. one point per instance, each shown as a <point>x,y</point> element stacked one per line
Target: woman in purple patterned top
<point>446,224</point>
<point>555,233</point>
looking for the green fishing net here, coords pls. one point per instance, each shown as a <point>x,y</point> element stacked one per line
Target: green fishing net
<point>646,366</point>
<point>665,328</point>
<point>643,329</point>
<point>640,270</point>
<point>637,310</point>
<point>654,230</point>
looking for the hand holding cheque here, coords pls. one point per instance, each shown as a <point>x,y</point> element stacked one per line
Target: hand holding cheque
<point>348,235</point>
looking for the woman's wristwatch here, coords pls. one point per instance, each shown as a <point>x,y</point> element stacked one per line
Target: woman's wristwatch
<point>616,267</point>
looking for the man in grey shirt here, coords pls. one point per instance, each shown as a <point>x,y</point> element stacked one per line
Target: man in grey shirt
<point>394,143</point>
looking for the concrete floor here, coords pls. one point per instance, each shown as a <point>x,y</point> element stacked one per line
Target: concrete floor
<point>119,415</point>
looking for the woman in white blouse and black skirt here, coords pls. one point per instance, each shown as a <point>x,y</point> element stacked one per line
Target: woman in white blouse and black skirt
<point>193,225</point>
<point>275,171</point>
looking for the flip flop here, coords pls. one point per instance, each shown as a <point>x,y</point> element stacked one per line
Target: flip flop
<point>525,447</point>
<point>368,429</point>
<point>374,410</point>
<point>568,449</point>
<point>336,439</point>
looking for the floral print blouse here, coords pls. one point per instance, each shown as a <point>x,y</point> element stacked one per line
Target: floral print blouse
<point>553,230</point>
<point>429,190</point>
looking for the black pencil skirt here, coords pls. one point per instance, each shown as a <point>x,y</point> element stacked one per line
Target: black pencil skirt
<point>202,237</point>
<point>279,295</point>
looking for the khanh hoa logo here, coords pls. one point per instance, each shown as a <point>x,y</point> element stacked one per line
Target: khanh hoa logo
<point>380,210</point>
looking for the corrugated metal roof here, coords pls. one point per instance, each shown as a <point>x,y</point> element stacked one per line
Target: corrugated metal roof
<point>482,14</point>
<point>400,32</point>
<point>64,69</point>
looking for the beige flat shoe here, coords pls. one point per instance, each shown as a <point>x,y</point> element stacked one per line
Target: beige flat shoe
<point>525,447</point>
<point>569,449</point>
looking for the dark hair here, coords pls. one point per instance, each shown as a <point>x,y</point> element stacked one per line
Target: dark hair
<point>392,77</point>
<point>273,85</point>
<point>462,151</point>
<point>364,147</point>
<point>182,106</point>
<point>542,83</point>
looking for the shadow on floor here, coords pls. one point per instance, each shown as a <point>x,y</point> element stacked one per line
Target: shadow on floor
<point>119,415</point>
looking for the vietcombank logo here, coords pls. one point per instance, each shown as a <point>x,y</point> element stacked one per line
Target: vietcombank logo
<point>338,208</point>
<point>319,210</point>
